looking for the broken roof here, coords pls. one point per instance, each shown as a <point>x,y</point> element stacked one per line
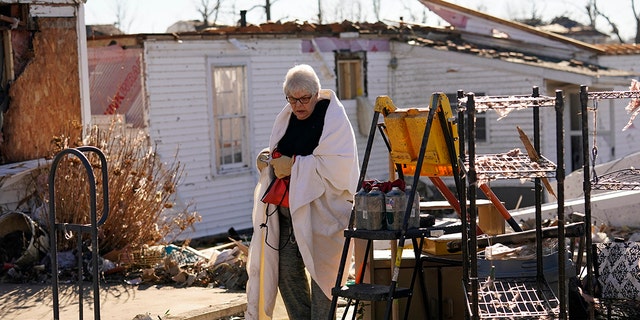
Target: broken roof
<point>471,32</point>
<point>489,26</point>
<point>620,48</point>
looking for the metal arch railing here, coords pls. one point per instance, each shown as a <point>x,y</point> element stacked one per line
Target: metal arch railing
<point>80,228</point>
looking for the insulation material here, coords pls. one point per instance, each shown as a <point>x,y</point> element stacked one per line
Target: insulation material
<point>45,97</point>
<point>633,108</point>
<point>116,82</point>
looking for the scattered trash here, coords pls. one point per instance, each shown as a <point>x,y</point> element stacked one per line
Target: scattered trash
<point>24,258</point>
<point>22,242</point>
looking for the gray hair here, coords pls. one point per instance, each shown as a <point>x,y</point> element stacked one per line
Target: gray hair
<point>301,77</point>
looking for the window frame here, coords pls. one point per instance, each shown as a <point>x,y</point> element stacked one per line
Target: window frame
<point>218,165</point>
<point>357,84</point>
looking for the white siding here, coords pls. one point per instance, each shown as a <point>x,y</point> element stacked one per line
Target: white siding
<point>177,88</point>
<point>629,62</point>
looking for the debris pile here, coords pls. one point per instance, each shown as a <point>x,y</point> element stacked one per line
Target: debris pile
<point>24,258</point>
<point>185,266</point>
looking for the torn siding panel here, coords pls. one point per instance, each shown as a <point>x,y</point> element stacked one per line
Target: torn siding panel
<point>52,11</point>
<point>17,185</point>
<point>44,97</point>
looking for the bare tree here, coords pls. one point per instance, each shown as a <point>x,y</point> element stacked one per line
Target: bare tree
<point>209,10</point>
<point>356,11</point>
<point>376,9</point>
<point>267,7</point>
<point>535,13</point>
<point>593,12</point>
<point>414,15</point>
<point>347,10</point>
<point>637,17</point>
<point>122,16</point>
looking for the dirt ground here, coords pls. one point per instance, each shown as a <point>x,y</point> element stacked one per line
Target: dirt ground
<point>120,302</point>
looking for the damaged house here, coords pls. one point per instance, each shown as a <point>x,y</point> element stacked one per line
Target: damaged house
<point>211,96</point>
<point>208,98</point>
<point>44,88</point>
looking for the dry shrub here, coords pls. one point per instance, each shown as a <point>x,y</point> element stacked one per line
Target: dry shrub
<point>141,190</point>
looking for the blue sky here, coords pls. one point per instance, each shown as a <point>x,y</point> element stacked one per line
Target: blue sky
<point>155,16</point>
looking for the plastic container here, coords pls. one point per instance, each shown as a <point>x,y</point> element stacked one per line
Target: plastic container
<point>34,241</point>
<point>360,207</point>
<point>414,217</point>
<point>374,207</point>
<point>395,203</point>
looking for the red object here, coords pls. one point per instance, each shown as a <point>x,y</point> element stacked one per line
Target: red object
<point>444,190</point>
<point>496,202</point>
<point>278,192</point>
<point>384,186</point>
<point>451,198</point>
<point>276,154</point>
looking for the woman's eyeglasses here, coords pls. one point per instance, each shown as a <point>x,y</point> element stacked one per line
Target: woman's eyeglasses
<point>302,100</point>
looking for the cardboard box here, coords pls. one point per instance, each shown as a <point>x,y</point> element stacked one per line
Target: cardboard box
<point>490,220</point>
<point>438,245</point>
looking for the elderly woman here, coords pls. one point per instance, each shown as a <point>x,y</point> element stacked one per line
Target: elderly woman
<point>318,153</point>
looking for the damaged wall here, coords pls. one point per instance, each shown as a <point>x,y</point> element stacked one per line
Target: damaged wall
<point>45,100</point>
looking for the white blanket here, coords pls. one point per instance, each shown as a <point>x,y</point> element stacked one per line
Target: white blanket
<point>322,184</point>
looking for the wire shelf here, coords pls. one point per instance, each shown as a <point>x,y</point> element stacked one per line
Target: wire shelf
<point>482,103</point>
<point>614,95</point>
<point>522,298</point>
<point>508,166</point>
<point>142,258</point>
<point>625,179</point>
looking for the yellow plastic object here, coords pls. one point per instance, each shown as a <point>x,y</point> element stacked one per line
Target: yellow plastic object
<point>405,130</point>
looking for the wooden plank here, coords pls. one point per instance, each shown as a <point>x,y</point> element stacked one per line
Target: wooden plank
<point>49,11</point>
<point>35,117</point>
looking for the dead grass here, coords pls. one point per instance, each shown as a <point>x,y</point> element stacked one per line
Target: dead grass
<point>141,186</point>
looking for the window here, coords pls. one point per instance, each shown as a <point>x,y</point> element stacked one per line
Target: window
<point>482,130</point>
<point>351,74</point>
<point>481,127</point>
<point>230,121</point>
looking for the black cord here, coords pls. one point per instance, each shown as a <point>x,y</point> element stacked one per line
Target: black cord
<point>266,232</point>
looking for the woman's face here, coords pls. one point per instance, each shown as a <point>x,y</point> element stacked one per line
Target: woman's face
<point>302,103</point>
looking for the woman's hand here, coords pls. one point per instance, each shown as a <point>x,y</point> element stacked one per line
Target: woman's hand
<point>282,166</point>
<point>263,158</point>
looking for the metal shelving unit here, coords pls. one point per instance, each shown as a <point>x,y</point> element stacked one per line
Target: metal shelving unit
<point>515,298</point>
<point>523,297</point>
<point>625,179</point>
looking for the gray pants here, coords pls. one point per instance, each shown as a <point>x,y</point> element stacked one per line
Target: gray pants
<point>301,303</point>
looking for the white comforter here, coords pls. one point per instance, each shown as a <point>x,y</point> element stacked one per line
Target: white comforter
<point>322,184</point>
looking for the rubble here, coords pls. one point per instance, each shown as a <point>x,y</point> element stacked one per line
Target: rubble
<point>222,266</point>
<point>186,266</point>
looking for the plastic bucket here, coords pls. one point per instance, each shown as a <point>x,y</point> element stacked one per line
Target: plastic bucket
<point>24,239</point>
